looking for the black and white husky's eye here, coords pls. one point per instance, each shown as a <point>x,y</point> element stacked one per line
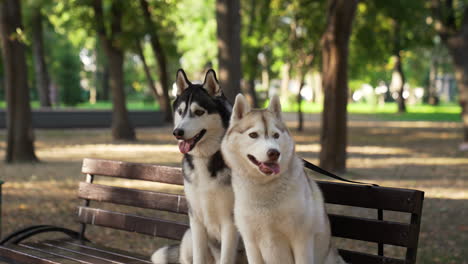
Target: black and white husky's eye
<point>276,135</point>
<point>179,111</point>
<point>199,112</point>
<point>253,135</point>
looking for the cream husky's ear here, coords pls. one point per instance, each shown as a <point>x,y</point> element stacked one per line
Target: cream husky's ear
<point>275,106</point>
<point>211,83</point>
<point>240,109</point>
<point>181,81</point>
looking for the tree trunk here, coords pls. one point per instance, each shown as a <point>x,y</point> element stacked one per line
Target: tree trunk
<point>398,76</point>
<point>229,42</point>
<point>122,128</point>
<point>398,82</point>
<point>335,42</point>
<point>430,96</point>
<point>251,74</point>
<point>20,135</point>
<point>300,115</point>
<point>151,85</point>
<point>158,50</point>
<point>102,73</point>
<point>458,48</point>
<point>40,66</point>
<point>456,40</point>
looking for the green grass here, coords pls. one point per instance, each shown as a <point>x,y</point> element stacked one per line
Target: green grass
<point>100,105</point>
<point>388,111</point>
<point>421,112</point>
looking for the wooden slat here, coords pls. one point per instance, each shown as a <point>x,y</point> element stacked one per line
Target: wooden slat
<point>136,171</point>
<point>353,257</point>
<point>100,251</point>
<point>21,254</point>
<point>394,199</point>
<point>66,254</point>
<point>138,198</point>
<point>132,223</point>
<point>371,230</point>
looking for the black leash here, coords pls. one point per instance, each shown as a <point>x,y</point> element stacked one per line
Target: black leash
<point>310,166</point>
<point>316,168</point>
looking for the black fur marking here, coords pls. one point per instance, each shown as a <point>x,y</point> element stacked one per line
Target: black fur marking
<point>216,164</point>
<point>188,160</point>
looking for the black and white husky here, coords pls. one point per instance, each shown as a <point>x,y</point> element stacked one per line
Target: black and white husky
<point>201,118</point>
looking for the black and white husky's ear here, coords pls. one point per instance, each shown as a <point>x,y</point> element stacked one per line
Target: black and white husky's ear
<point>211,83</point>
<point>181,81</point>
<point>240,109</point>
<point>275,106</point>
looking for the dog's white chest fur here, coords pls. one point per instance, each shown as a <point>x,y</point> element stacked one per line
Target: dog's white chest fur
<point>210,202</point>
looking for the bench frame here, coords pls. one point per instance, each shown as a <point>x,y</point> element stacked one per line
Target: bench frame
<point>15,250</point>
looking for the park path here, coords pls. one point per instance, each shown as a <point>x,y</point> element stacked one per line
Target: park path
<point>419,155</point>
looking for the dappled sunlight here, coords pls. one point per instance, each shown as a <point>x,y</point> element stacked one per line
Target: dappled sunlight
<point>358,149</point>
<point>128,152</point>
<point>141,185</point>
<point>405,124</point>
<point>392,161</point>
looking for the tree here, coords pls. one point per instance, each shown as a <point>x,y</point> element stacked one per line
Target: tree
<point>254,43</point>
<point>229,43</point>
<point>305,30</point>
<point>20,136</point>
<point>121,126</point>
<point>335,41</point>
<point>40,65</point>
<point>155,92</point>
<point>386,34</point>
<point>451,24</point>
<point>158,50</point>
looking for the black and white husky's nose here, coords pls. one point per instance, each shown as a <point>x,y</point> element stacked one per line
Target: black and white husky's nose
<point>178,133</point>
<point>273,154</point>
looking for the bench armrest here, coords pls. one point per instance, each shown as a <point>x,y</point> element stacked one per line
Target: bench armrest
<point>25,233</point>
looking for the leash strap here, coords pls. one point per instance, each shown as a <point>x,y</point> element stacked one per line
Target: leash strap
<point>310,166</point>
<point>316,168</point>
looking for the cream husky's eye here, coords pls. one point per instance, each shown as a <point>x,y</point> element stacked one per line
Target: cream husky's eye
<point>199,112</point>
<point>276,135</point>
<point>253,135</point>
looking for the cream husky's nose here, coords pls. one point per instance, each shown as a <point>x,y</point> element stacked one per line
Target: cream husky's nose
<point>273,154</point>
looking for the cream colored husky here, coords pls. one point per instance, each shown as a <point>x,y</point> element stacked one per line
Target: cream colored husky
<point>278,210</point>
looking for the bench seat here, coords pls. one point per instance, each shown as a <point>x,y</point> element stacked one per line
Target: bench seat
<point>68,251</point>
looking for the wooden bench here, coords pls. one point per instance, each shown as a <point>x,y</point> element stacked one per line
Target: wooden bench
<point>74,248</point>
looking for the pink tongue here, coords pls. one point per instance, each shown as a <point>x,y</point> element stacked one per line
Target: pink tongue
<point>269,168</point>
<point>184,146</point>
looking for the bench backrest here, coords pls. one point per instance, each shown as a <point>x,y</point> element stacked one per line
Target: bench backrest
<point>356,228</point>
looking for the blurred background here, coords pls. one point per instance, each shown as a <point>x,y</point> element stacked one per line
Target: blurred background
<point>376,90</point>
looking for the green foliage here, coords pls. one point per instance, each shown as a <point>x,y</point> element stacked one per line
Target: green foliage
<point>196,34</point>
<point>65,68</point>
<point>374,41</point>
<point>2,88</point>
<point>280,31</point>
